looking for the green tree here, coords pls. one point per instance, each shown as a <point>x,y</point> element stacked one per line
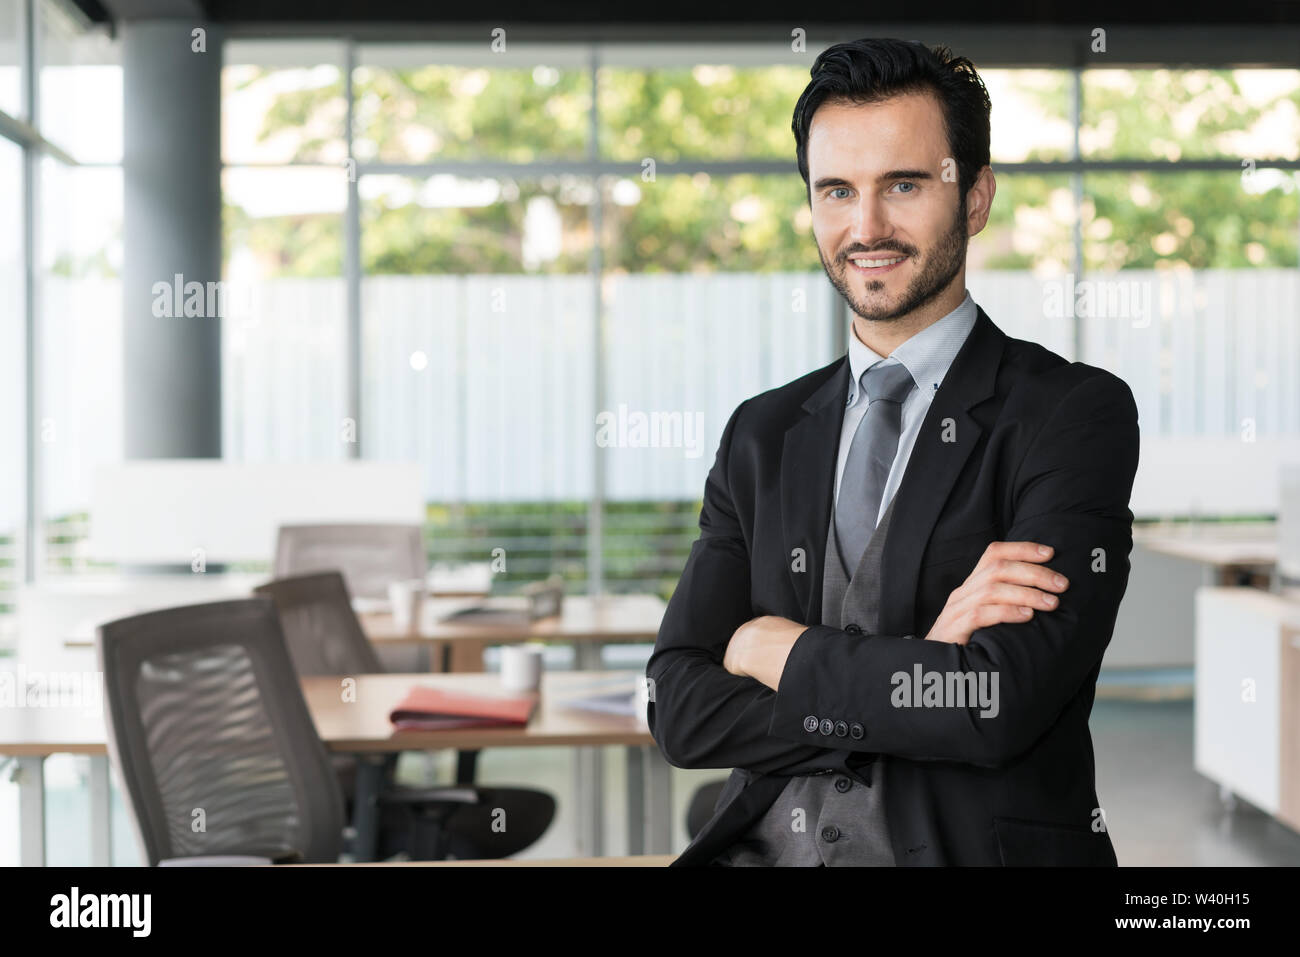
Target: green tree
<point>749,223</point>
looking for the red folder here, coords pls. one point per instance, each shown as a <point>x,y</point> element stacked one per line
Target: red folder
<point>427,709</point>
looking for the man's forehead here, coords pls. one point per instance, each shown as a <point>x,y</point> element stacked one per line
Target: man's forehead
<point>906,125</point>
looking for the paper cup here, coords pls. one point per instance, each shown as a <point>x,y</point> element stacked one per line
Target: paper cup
<point>407,598</point>
<point>521,667</point>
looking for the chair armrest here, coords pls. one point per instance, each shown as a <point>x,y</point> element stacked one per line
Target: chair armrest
<point>451,794</point>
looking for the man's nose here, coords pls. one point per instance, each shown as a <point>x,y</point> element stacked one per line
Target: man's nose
<point>871,223</point>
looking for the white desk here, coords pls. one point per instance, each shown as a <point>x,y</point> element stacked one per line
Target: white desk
<point>1247,710</point>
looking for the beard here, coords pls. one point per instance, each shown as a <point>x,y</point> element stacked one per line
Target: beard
<point>938,269</point>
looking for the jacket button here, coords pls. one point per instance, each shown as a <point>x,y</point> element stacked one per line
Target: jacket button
<point>810,723</point>
<point>828,726</point>
<point>852,628</point>
<point>830,834</point>
<point>841,729</point>
<point>843,784</point>
<point>856,731</point>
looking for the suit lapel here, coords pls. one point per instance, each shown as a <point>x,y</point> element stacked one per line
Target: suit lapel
<point>948,435</point>
<point>808,460</point>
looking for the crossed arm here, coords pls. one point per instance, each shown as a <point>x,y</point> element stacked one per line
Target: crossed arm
<point>716,705</point>
<point>1007,585</point>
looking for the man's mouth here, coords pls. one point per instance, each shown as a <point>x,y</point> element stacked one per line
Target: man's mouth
<point>877,263</point>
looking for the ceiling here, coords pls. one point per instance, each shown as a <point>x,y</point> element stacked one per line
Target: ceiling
<point>738,17</point>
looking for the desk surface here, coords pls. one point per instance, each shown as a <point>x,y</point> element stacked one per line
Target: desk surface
<point>581,618</point>
<point>1220,544</point>
<point>363,725</point>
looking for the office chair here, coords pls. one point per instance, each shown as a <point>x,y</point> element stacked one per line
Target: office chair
<point>370,556</point>
<point>703,804</point>
<point>324,638</point>
<point>212,738</point>
<point>209,731</point>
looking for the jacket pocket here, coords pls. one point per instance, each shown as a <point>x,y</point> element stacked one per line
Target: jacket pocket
<point>1023,843</point>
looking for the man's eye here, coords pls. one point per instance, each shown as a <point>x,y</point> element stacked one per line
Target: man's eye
<point>838,189</point>
<point>912,186</point>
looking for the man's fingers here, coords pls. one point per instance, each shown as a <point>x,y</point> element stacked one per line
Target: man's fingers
<point>987,615</point>
<point>1023,573</point>
<point>1014,551</point>
<point>1009,584</point>
<point>1003,593</point>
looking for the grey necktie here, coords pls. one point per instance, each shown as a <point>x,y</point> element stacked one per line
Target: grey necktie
<point>870,458</point>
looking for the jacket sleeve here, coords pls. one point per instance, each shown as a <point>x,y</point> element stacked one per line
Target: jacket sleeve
<point>1071,491</point>
<point>700,714</point>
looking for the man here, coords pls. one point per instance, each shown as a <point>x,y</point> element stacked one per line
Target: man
<point>909,561</point>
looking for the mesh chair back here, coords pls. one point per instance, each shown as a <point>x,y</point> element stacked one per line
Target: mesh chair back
<point>369,556</point>
<point>320,628</point>
<point>210,733</point>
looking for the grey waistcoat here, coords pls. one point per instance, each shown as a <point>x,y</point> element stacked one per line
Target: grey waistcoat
<point>828,818</point>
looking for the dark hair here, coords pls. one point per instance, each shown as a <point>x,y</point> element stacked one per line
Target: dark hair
<point>867,71</point>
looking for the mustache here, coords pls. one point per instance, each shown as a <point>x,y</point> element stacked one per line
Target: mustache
<point>844,257</point>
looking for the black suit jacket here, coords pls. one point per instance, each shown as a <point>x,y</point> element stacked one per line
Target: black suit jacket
<point>1018,445</point>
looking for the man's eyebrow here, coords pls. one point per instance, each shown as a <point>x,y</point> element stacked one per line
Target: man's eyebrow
<point>893,174</point>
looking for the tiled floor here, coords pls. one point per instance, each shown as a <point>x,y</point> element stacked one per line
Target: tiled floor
<point>1159,810</point>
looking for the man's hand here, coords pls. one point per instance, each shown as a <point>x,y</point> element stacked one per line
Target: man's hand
<point>758,648</point>
<point>1007,585</point>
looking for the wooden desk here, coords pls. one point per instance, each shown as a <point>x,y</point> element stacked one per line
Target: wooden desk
<point>1230,550</point>
<point>362,728</point>
<point>588,621</point>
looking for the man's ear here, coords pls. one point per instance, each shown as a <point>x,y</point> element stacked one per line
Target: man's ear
<point>979,201</point>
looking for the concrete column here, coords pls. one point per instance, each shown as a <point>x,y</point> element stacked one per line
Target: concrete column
<point>172,227</point>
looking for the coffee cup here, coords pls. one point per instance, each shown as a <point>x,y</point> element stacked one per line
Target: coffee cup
<point>521,667</point>
<point>407,599</point>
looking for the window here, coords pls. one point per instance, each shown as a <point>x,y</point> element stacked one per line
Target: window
<point>527,294</point>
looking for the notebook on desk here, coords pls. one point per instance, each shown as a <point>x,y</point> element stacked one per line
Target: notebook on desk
<point>431,709</point>
<point>614,702</point>
<point>488,615</point>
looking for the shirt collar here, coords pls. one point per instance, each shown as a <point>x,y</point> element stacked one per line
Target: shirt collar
<point>927,355</point>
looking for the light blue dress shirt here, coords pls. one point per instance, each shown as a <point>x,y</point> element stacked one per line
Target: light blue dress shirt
<point>928,356</point>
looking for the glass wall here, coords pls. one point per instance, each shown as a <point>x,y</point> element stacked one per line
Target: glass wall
<point>1190,275</point>
<point>13,386</point>
<point>79,343</point>
<point>13,58</point>
<point>60,332</point>
<point>570,268</point>
<point>285,189</point>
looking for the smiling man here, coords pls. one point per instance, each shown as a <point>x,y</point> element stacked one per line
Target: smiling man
<point>910,561</point>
